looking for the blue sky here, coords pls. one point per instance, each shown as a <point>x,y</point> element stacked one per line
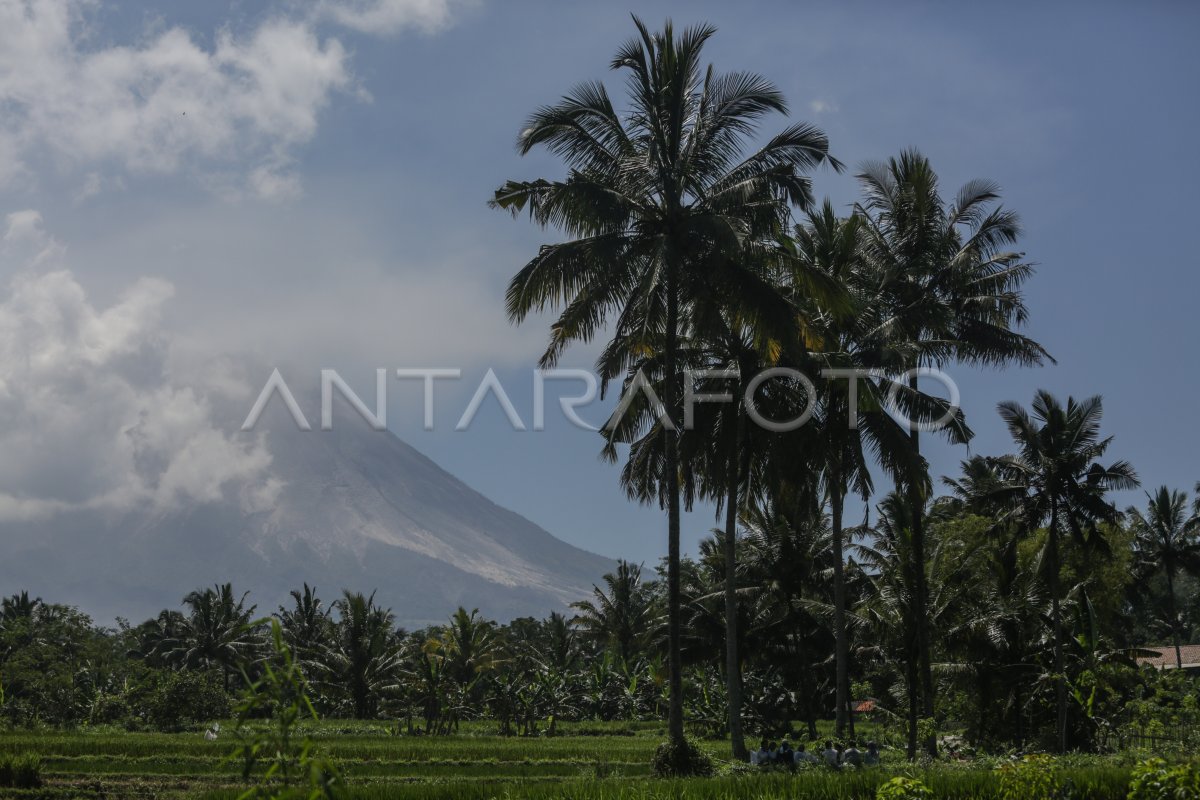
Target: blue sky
<point>308,185</point>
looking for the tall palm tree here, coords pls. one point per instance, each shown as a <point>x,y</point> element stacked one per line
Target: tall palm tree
<point>558,649</point>
<point>951,572</point>
<point>159,641</point>
<point>308,625</point>
<point>620,617</point>
<point>718,447</point>
<point>19,615</point>
<point>849,435</point>
<point>736,349</point>
<point>18,606</point>
<point>217,631</point>
<point>980,490</point>
<point>788,564</point>
<point>365,655</point>
<point>1015,601</point>
<point>743,339</point>
<point>1168,542</point>
<point>471,644</point>
<point>949,291</point>
<point>659,203</point>
<point>1062,485</point>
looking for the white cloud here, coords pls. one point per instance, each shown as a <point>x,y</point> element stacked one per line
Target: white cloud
<point>25,241</point>
<point>163,103</point>
<point>91,413</point>
<point>271,182</point>
<point>820,106</point>
<point>385,17</point>
<point>315,284</point>
<point>24,226</point>
<point>91,186</point>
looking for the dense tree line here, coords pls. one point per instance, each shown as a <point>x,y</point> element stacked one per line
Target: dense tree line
<point>994,643</point>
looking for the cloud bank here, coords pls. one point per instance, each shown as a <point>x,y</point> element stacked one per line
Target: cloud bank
<point>166,103</point>
<point>90,413</point>
<point>391,16</point>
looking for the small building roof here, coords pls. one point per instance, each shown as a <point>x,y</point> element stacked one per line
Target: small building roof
<point>1166,657</point>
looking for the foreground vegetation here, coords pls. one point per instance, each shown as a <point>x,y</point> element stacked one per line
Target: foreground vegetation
<point>594,762</point>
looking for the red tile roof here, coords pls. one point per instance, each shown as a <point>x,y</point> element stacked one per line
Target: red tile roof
<point>1166,656</point>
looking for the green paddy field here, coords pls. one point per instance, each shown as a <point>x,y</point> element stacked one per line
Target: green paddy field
<point>585,762</point>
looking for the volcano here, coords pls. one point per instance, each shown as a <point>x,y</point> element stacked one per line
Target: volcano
<point>350,507</point>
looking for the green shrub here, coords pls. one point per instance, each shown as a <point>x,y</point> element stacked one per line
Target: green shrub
<point>109,709</point>
<point>902,788</point>
<point>22,771</point>
<point>1156,780</point>
<point>685,760</point>
<point>1031,778</point>
<point>169,700</point>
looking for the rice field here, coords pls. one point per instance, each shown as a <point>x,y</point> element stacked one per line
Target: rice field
<point>582,764</point>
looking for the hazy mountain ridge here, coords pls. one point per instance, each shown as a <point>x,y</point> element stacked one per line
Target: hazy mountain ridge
<point>353,508</point>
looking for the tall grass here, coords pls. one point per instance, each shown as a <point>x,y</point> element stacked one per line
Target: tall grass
<point>816,785</point>
<point>588,766</point>
<point>20,771</point>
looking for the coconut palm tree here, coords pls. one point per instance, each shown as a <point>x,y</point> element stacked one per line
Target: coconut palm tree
<point>217,631</point>
<point>736,349</point>
<point>557,645</point>
<point>471,644</point>
<point>788,564</point>
<point>980,490</point>
<point>851,426</point>
<point>720,451</point>
<point>621,616</point>
<point>307,626</point>
<point>1168,542</point>
<point>19,615</point>
<point>18,606</point>
<point>658,204</point>
<point>365,655</point>
<point>159,641</point>
<point>1014,603</point>
<point>1062,484</point>
<point>952,567</point>
<point>949,291</point>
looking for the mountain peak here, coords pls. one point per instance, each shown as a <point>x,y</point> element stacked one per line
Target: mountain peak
<point>350,507</point>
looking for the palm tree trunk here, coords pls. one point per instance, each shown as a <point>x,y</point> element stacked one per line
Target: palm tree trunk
<point>908,632</point>
<point>985,702</point>
<point>733,664</point>
<point>841,645</point>
<point>910,680</point>
<point>1171,609</point>
<point>674,659</point>
<point>921,598</point>
<point>1019,707</point>
<point>1060,678</point>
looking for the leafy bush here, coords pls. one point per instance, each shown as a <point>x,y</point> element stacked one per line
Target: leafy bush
<point>20,771</point>
<point>681,761</point>
<point>168,700</point>
<point>902,788</point>
<point>1031,778</point>
<point>1156,780</point>
<point>109,709</point>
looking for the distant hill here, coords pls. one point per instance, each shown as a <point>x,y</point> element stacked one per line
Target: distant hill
<point>356,508</point>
